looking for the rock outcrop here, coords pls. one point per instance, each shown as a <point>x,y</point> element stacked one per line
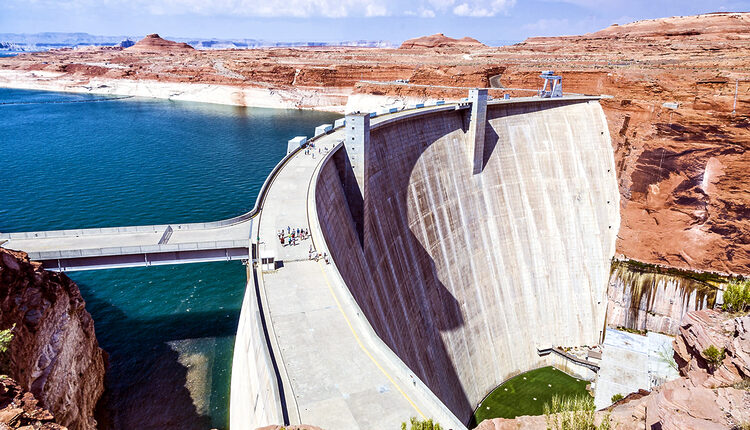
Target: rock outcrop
<point>652,298</point>
<point>54,353</point>
<point>19,409</point>
<point>440,40</point>
<point>702,329</point>
<point>154,43</point>
<point>703,398</point>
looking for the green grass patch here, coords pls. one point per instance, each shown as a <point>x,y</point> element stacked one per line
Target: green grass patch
<point>516,396</point>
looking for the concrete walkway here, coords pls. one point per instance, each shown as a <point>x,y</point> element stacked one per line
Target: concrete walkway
<point>336,373</point>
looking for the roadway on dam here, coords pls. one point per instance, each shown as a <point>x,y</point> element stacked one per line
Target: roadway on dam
<point>336,373</point>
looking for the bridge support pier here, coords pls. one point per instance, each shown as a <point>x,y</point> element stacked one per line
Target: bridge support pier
<point>475,137</point>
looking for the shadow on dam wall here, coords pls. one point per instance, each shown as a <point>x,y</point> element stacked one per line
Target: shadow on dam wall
<point>442,270</point>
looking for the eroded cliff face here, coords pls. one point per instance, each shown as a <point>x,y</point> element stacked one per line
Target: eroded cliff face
<point>645,297</point>
<point>54,353</point>
<point>703,398</point>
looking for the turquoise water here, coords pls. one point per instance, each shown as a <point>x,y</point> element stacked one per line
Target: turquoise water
<point>71,160</point>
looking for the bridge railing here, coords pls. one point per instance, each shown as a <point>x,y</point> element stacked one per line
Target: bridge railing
<point>141,249</point>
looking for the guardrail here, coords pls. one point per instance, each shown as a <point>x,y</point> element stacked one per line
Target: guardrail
<point>573,358</point>
<point>140,249</point>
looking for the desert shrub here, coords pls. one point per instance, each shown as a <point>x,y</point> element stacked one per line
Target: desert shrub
<point>714,356</point>
<point>743,384</point>
<point>5,337</point>
<point>736,296</point>
<point>572,413</point>
<point>415,424</point>
<point>666,355</point>
<point>617,397</point>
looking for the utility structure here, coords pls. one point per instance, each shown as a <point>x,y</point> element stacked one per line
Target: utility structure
<point>478,99</point>
<point>554,82</point>
<point>356,147</point>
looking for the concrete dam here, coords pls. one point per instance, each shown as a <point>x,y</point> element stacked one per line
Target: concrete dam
<point>458,242</point>
<point>465,270</point>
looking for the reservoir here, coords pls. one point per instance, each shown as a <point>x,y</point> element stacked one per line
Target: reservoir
<point>77,161</point>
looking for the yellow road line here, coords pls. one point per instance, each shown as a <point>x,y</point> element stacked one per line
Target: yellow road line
<point>361,345</point>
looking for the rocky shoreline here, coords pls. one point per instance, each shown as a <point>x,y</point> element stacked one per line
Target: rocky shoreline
<point>54,353</point>
<point>19,409</point>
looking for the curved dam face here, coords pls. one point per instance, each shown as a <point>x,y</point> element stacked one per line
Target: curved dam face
<point>465,272</point>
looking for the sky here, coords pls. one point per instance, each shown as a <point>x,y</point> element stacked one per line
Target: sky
<point>490,21</point>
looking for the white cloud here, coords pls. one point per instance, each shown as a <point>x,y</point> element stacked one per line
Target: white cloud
<point>376,10</point>
<point>283,8</point>
<point>483,8</point>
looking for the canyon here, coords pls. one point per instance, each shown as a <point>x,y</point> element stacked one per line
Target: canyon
<point>677,113</point>
<point>680,139</point>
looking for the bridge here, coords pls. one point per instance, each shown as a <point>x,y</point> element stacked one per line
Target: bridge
<point>117,247</point>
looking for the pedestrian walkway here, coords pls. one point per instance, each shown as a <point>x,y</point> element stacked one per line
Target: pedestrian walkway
<point>336,373</point>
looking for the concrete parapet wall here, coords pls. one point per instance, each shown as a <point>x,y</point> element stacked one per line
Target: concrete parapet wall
<point>255,400</point>
<point>465,275</point>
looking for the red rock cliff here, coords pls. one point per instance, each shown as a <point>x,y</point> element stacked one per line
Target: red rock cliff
<point>20,410</point>
<point>54,353</point>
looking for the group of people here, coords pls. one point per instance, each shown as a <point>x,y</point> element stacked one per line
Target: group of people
<point>310,150</point>
<point>292,236</point>
<point>312,255</point>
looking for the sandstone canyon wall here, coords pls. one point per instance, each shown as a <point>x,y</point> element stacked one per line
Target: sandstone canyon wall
<point>646,297</point>
<point>54,353</point>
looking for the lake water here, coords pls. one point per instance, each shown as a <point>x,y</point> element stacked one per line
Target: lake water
<point>73,161</point>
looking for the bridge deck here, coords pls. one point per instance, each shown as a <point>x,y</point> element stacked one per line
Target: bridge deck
<point>133,246</point>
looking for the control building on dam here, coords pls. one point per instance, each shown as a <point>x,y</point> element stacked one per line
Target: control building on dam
<point>456,242</point>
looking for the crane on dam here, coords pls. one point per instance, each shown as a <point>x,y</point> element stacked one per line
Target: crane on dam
<point>555,85</point>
